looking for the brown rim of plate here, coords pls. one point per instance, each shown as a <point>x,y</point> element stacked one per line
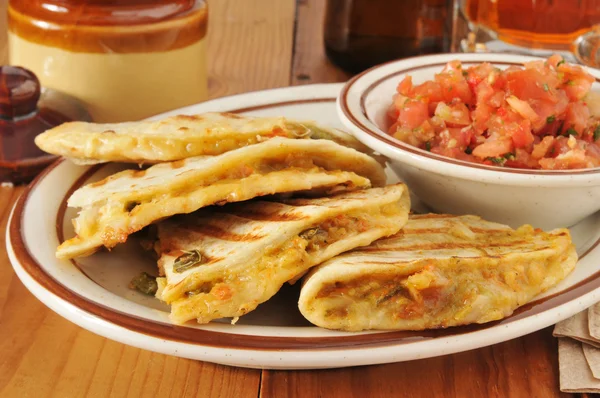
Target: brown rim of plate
<point>382,136</point>
<point>189,335</point>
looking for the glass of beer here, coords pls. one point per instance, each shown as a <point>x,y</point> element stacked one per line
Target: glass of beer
<point>571,27</point>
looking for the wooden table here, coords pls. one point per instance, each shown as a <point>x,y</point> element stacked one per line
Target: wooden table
<point>253,45</point>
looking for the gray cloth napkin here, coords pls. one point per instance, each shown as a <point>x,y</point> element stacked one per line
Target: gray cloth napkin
<point>594,321</point>
<point>578,327</point>
<point>592,356</point>
<point>575,374</point>
<point>579,351</point>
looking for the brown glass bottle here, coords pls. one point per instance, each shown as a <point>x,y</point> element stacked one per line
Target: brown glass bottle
<point>359,34</point>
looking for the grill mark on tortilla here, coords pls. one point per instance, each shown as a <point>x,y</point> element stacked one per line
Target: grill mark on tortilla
<point>396,262</point>
<point>258,214</point>
<point>448,245</point>
<point>138,173</point>
<point>430,215</point>
<point>232,115</point>
<point>490,231</point>
<point>189,117</point>
<point>331,201</point>
<point>410,231</point>
<point>391,262</point>
<point>99,183</point>
<point>219,233</point>
<point>178,163</point>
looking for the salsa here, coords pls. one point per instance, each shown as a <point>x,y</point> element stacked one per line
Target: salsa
<point>534,117</point>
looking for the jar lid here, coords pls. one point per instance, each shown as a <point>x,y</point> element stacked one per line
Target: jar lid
<point>102,12</point>
<point>100,26</point>
<point>19,92</point>
<point>27,110</point>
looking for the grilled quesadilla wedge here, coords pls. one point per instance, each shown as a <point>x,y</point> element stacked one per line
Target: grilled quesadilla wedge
<point>439,271</point>
<point>224,262</point>
<point>177,137</point>
<point>126,202</point>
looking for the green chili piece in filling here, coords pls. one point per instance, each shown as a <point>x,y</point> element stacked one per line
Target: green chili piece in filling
<point>187,260</point>
<point>144,283</point>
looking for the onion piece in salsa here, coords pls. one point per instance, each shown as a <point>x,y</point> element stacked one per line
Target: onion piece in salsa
<point>533,117</point>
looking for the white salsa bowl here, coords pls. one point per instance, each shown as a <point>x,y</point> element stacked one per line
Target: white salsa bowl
<point>543,198</point>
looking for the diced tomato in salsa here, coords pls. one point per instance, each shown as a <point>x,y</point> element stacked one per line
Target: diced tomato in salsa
<point>412,114</point>
<point>534,117</point>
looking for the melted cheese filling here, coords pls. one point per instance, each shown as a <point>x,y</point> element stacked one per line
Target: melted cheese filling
<point>240,292</point>
<point>91,220</point>
<point>295,255</point>
<point>333,230</point>
<point>459,291</point>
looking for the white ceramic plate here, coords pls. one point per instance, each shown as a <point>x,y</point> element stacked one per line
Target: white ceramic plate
<point>93,292</point>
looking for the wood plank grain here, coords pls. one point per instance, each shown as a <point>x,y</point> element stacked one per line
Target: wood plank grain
<point>41,354</point>
<point>3,33</point>
<point>310,64</point>
<point>525,367</point>
<point>250,45</point>
<point>7,198</point>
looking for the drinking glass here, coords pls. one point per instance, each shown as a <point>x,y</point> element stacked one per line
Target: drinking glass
<point>536,27</point>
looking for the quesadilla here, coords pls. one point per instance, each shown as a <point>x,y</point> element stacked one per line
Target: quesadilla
<point>177,137</point>
<point>224,262</point>
<point>119,205</point>
<point>439,271</point>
